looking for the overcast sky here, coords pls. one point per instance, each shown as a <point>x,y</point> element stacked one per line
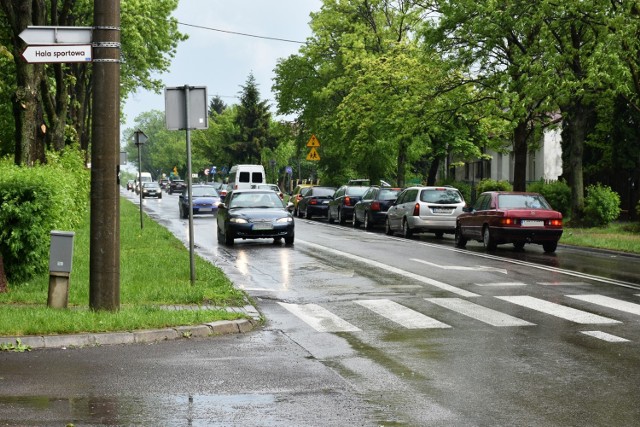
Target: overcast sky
<point>222,61</point>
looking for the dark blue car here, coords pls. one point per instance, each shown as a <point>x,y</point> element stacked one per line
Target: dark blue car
<point>372,209</point>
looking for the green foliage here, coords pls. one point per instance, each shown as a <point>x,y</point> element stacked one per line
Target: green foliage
<point>489,184</point>
<point>557,193</point>
<point>463,187</point>
<point>601,205</point>
<point>33,202</point>
<point>17,347</point>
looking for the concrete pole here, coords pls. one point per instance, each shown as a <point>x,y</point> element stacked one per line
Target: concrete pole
<point>104,262</point>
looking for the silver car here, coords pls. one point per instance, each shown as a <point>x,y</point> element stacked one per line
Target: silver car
<point>425,210</point>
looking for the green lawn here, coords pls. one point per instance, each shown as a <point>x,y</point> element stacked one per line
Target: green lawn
<point>623,237</point>
<point>154,272</point>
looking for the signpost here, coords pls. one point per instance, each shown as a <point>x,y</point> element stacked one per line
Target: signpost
<point>57,44</point>
<point>57,53</point>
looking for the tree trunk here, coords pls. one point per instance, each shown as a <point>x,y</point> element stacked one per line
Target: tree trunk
<point>402,162</point>
<point>576,119</point>
<point>4,287</point>
<point>433,171</point>
<point>520,149</point>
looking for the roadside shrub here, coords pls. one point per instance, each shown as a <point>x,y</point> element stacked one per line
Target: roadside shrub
<point>33,202</point>
<point>557,193</point>
<point>489,184</point>
<point>601,205</point>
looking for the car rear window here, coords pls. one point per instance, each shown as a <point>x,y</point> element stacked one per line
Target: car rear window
<point>356,191</point>
<point>442,196</point>
<point>319,191</point>
<point>526,201</point>
<point>388,194</point>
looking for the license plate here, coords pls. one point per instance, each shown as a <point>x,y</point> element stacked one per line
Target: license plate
<point>531,223</point>
<point>263,226</point>
<point>442,210</point>
<point>204,209</point>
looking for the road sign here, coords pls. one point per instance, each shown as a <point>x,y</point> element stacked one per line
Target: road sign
<point>57,53</point>
<point>206,171</point>
<point>56,35</point>
<point>313,155</point>
<point>313,142</point>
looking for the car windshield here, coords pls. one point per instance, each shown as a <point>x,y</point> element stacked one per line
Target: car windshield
<point>204,192</point>
<point>150,184</point>
<point>443,196</point>
<point>267,199</point>
<point>525,201</point>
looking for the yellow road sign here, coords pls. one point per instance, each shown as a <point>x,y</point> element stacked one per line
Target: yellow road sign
<point>313,155</point>
<point>313,142</point>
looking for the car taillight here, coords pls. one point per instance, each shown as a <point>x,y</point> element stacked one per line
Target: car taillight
<point>416,210</point>
<point>375,206</point>
<point>347,201</point>
<point>507,221</point>
<point>313,202</point>
<point>555,222</point>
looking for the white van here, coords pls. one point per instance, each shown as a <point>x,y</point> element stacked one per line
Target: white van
<point>143,177</point>
<point>244,176</point>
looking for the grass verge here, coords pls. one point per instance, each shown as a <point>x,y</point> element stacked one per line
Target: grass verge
<point>154,272</point>
<point>624,237</point>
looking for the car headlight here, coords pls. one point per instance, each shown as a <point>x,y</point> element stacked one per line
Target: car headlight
<point>285,219</point>
<point>238,220</point>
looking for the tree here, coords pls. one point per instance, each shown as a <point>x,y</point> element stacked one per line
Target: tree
<point>253,119</point>
<point>217,106</point>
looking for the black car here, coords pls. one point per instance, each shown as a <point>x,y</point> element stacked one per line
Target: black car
<point>254,214</point>
<point>315,202</point>
<point>344,199</point>
<point>151,189</point>
<point>205,201</point>
<point>372,209</point>
<point>176,186</point>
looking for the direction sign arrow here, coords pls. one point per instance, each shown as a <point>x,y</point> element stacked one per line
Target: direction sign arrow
<point>57,53</point>
<point>56,35</point>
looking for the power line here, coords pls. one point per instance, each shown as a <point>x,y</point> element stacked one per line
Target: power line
<point>241,34</point>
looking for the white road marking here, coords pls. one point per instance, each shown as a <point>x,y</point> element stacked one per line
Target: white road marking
<point>604,336</point>
<point>500,284</point>
<point>564,284</point>
<point>402,315</point>
<point>391,269</point>
<point>320,319</point>
<point>616,304</point>
<point>478,312</point>
<point>557,310</point>
<point>462,267</point>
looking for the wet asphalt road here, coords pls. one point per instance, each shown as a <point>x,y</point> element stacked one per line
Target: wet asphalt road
<point>366,329</point>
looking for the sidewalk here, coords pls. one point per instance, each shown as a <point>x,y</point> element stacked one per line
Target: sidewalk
<point>221,327</point>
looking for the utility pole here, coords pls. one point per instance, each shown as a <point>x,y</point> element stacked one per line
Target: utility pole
<point>104,262</point>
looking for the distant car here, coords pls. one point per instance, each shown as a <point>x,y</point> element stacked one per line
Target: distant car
<point>205,201</point>
<point>254,214</point>
<point>273,187</point>
<point>315,202</point>
<point>151,189</point>
<point>176,186</point>
<point>425,210</point>
<point>372,209</point>
<point>500,217</point>
<point>297,195</point>
<point>130,185</point>
<point>344,200</point>
<point>163,183</point>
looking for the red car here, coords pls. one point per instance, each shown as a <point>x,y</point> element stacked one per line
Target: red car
<point>500,217</point>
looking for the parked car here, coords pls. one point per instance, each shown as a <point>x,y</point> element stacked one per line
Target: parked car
<point>344,199</point>
<point>315,202</point>
<point>176,186</point>
<point>500,217</point>
<point>297,195</point>
<point>205,201</point>
<point>254,214</point>
<point>425,210</point>
<point>130,184</point>
<point>372,209</point>
<point>151,189</point>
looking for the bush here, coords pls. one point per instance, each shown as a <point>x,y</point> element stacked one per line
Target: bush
<point>33,202</point>
<point>557,193</point>
<point>489,184</point>
<point>601,205</point>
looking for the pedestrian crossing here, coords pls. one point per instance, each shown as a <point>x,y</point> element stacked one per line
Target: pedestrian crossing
<point>323,319</point>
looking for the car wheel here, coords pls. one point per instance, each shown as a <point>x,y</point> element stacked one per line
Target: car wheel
<point>356,223</point>
<point>487,239</point>
<point>330,217</point>
<point>460,241</point>
<point>288,240</point>
<point>160,196</point>
<point>387,228</point>
<point>228,238</point>
<point>406,230</point>
<point>550,246</point>
<point>368,225</point>
<point>220,235</point>
<point>306,213</point>
<point>518,246</point>
<point>297,212</point>
<point>277,239</point>
<point>341,218</point>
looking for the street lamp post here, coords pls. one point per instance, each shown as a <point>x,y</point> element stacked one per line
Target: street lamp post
<point>140,139</point>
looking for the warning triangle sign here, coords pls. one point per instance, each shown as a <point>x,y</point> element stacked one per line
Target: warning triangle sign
<point>313,154</point>
<point>313,142</point>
